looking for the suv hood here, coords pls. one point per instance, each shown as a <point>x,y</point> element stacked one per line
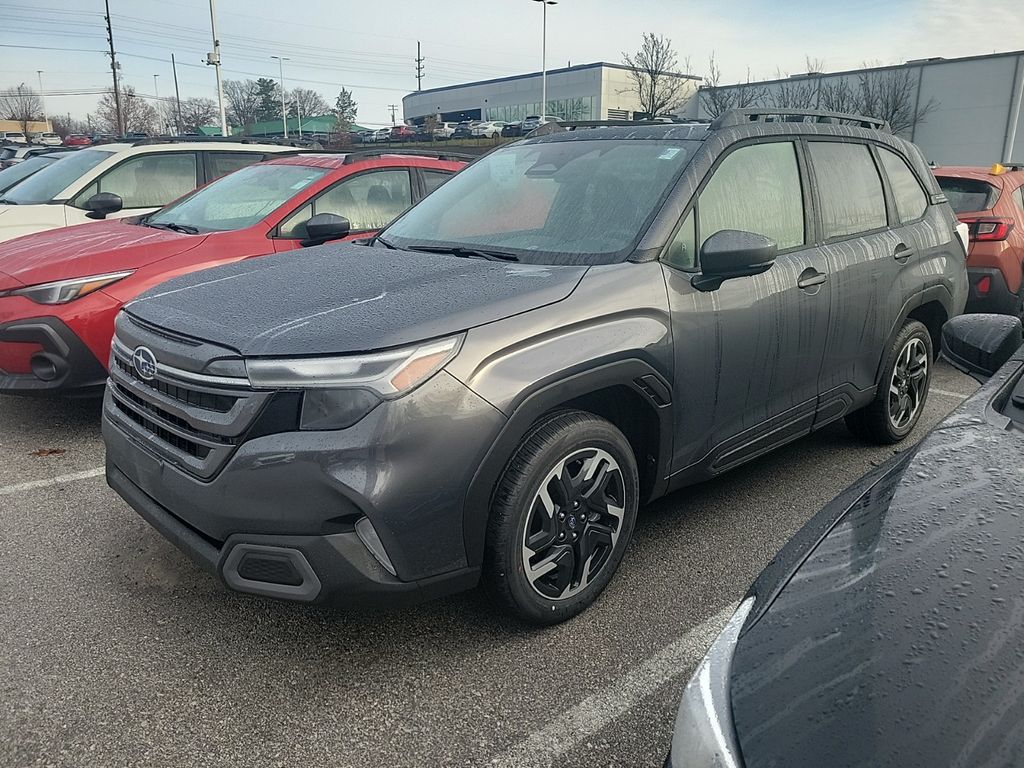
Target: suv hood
<point>89,249</point>
<point>344,298</point>
<point>897,640</point>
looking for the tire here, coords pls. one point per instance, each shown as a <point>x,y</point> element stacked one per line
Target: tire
<point>561,465</point>
<point>902,391</point>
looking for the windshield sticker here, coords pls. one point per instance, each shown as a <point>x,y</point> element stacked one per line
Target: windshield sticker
<point>503,168</point>
<point>669,153</point>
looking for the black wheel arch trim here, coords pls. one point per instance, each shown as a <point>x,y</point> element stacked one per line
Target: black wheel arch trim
<point>934,293</point>
<point>547,397</point>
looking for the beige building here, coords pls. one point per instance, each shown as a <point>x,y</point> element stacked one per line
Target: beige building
<point>34,126</point>
<point>599,91</point>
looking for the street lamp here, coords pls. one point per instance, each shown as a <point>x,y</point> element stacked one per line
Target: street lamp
<point>544,57</point>
<point>42,99</point>
<point>284,111</point>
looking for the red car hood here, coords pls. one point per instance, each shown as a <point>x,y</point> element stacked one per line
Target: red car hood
<point>87,249</point>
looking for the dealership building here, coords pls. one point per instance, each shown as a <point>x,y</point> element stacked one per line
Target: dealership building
<point>973,117</point>
<point>599,91</point>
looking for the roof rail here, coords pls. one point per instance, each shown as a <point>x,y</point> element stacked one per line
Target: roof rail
<point>574,124</point>
<point>735,117</point>
<point>365,154</point>
<point>298,143</point>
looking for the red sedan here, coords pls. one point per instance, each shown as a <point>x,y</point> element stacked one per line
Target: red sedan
<point>60,290</point>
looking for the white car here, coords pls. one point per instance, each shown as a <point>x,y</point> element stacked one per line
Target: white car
<point>12,137</point>
<point>382,134</point>
<point>490,129</point>
<point>119,180</point>
<point>47,140</point>
<point>444,130</point>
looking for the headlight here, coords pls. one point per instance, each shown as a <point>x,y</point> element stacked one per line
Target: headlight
<point>63,291</point>
<point>704,733</point>
<point>342,390</point>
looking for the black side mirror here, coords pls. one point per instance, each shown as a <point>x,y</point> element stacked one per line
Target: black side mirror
<point>981,344</point>
<point>731,253</point>
<point>325,227</point>
<point>102,204</point>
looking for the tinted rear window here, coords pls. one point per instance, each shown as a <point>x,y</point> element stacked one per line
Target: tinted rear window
<point>968,195</point>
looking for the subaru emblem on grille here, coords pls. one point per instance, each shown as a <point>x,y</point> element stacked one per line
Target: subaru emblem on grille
<point>144,362</point>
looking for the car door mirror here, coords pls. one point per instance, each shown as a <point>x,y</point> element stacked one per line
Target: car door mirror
<point>981,344</point>
<point>732,253</point>
<point>102,204</point>
<point>325,227</point>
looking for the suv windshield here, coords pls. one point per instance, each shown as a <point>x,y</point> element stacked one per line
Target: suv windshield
<point>968,195</point>
<point>240,199</point>
<point>565,202</point>
<point>44,186</point>
<point>16,173</point>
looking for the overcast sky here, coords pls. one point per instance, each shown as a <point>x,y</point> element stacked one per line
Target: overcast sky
<point>369,46</point>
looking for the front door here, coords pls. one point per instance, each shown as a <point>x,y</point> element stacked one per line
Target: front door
<point>747,355</point>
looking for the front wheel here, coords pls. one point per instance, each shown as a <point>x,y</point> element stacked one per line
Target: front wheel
<point>902,391</point>
<point>562,517</point>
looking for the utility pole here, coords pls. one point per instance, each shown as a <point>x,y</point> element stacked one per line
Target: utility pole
<point>156,94</point>
<point>214,59</point>
<point>419,67</point>
<point>544,57</point>
<point>177,94</point>
<point>394,109</point>
<point>113,71</point>
<point>284,110</point>
<point>42,99</point>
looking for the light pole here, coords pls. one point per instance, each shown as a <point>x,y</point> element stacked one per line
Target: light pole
<point>284,111</point>
<point>156,94</point>
<point>544,57</point>
<point>214,59</point>
<point>42,99</point>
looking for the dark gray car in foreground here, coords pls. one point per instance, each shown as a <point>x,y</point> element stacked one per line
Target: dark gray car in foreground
<point>570,327</point>
<point>889,631</point>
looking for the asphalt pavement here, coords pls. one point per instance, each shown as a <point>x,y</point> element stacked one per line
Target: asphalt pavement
<point>115,650</point>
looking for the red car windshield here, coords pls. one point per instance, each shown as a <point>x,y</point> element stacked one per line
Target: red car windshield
<point>238,200</point>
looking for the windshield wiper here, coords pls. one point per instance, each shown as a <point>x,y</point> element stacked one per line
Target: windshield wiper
<point>385,243</point>
<point>182,228</point>
<point>5,201</point>
<point>466,253</point>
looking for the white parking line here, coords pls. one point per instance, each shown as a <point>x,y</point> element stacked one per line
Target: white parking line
<point>946,393</point>
<point>573,727</point>
<point>59,480</point>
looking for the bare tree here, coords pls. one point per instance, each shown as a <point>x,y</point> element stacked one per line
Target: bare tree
<point>837,95</point>
<point>797,91</point>
<point>196,113</point>
<point>21,104</point>
<point>309,103</point>
<point>244,103</point>
<point>717,98</point>
<point>654,70</point>
<point>139,115</point>
<point>892,96</point>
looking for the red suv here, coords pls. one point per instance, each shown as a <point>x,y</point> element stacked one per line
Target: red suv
<point>403,133</point>
<point>990,201</point>
<point>60,290</point>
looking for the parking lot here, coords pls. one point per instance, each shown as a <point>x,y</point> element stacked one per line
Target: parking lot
<point>117,650</point>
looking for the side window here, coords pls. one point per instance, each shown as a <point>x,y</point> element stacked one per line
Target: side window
<point>222,163</point>
<point>369,201</point>
<point>682,253</point>
<point>434,179</point>
<point>1018,197</point>
<point>911,202</point>
<point>755,189</point>
<point>149,181</point>
<point>849,188</point>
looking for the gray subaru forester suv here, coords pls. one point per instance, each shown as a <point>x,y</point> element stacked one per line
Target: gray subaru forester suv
<point>572,326</point>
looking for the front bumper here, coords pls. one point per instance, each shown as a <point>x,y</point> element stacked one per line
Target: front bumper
<point>999,299</point>
<point>404,469</point>
<point>62,362</point>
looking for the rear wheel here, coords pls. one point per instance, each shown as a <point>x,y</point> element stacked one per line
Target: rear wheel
<point>902,391</point>
<point>562,517</point>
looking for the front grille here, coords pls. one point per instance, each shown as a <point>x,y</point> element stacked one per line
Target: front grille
<point>192,420</point>
<point>198,398</point>
<point>187,447</point>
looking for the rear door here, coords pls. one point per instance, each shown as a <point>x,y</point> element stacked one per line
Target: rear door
<point>748,355</point>
<point>870,263</point>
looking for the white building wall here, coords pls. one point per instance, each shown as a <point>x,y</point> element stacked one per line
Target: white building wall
<point>972,100</point>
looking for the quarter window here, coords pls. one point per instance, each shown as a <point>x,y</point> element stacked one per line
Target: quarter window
<point>150,181</point>
<point>682,254</point>
<point>369,201</point>
<point>1018,197</point>
<point>434,179</point>
<point>222,163</point>
<point>755,189</point>
<point>849,188</point>
<point>910,198</point>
